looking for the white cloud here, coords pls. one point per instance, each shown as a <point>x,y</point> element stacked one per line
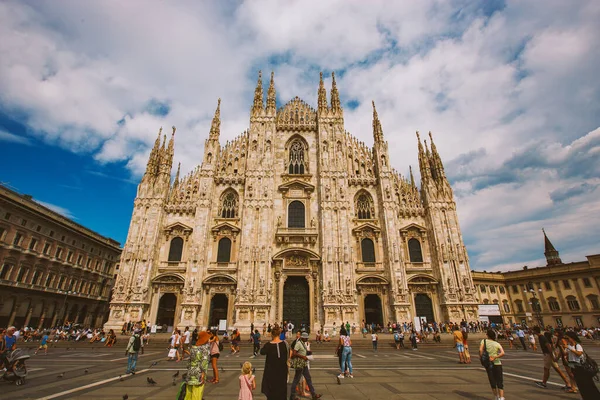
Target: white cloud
<point>57,209</point>
<point>11,137</point>
<point>512,96</point>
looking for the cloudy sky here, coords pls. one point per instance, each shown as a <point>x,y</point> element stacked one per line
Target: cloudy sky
<point>510,89</point>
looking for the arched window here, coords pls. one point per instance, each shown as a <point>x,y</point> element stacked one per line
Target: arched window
<point>368,251</point>
<point>364,206</point>
<point>502,290</point>
<point>229,203</point>
<point>572,303</point>
<point>486,301</point>
<point>492,289</point>
<point>224,251</point>
<point>414,250</point>
<point>297,163</point>
<point>483,288</point>
<point>296,215</point>
<point>176,249</point>
<point>553,304</point>
<point>506,306</point>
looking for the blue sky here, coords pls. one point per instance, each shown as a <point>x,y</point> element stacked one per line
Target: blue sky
<point>510,90</point>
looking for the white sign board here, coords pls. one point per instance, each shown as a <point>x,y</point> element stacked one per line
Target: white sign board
<point>153,329</point>
<point>489,309</point>
<point>484,318</point>
<point>222,324</point>
<point>417,324</point>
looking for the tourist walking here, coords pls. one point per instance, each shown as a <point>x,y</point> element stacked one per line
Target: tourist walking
<point>561,349</point>
<point>133,349</point>
<point>374,339</point>
<point>576,356</point>
<point>413,339</point>
<point>521,336</point>
<point>197,368</point>
<point>495,351</point>
<point>299,364</point>
<point>274,381</point>
<point>549,361</point>
<point>256,343</point>
<point>346,348</point>
<point>466,345</point>
<point>247,382</point>
<point>43,344</point>
<point>215,353</point>
<point>459,344</point>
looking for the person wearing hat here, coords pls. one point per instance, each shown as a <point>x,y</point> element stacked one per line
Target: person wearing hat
<point>197,367</point>
<point>300,364</point>
<point>133,348</point>
<point>576,357</point>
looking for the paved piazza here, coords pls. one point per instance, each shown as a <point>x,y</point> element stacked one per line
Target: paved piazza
<point>432,372</point>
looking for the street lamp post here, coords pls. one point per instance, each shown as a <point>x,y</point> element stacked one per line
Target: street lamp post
<point>64,306</point>
<point>535,303</point>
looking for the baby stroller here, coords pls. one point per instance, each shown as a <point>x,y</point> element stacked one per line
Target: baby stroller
<point>16,370</point>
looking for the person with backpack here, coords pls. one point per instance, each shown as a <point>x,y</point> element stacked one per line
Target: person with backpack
<point>490,352</point>
<point>397,340</point>
<point>133,348</point>
<point>583,367</point>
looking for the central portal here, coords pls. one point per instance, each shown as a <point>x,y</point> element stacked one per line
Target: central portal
<point>296,302</point>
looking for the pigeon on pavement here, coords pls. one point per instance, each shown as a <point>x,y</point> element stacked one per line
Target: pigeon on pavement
<point>151,381</point>
<point>85,371</point>
<point>125,397</point>
<point>61,375</point>
<point>176,374</point>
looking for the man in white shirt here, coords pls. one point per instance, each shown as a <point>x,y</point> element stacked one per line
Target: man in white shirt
<point>186,341</point>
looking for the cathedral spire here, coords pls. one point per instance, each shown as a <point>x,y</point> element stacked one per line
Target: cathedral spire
<point>258,105</point>
<point>377,130</point>
<point>271,96</point>
<point>335,96</point>
<point>215,127</point>
<point>176,181</point>
<point>423,161</point>
<point>153,159</point>
<point>322,103</point>
<point>412,178</point>
<point>552,257</point>
<point>436,160</point>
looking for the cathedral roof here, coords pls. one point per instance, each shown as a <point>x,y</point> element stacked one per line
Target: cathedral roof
<point>296,115</point>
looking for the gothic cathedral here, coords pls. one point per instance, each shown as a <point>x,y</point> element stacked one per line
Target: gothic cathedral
<point>295,220</point>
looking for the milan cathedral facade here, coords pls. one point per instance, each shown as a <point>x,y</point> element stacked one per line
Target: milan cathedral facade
<point>295,220</point>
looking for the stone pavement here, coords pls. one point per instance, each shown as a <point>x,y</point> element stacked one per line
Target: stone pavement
<point>432,372</point>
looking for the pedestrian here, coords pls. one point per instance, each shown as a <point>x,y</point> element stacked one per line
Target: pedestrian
<point>511,338</point>
<point>43,344</point>
<point>466,346</point>
<point>197,368</point>
<point>413,339</point>
<point>215,353</point>
<point>549,361</point>
<point>397,340</point>
<point>561,350</point>
<point>256,343</point>
<point>576,356</point>
<point>274,381</point>
<point>346,348</point>
<point>299,364</point>
<point>494,371</point>
<point>186,342</point>
<point>247,382</point>
<point>374,339</point>
<point>133,348</point>
<point>532,340</point>
<point>521,336</point>
<point>459,344</point>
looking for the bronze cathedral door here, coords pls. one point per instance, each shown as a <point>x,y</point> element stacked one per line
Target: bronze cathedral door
<point>296,302</point>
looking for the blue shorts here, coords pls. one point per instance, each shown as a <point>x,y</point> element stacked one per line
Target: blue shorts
<point>460,347</point>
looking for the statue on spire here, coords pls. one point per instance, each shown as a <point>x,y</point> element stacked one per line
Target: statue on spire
<point>215,127</point>
<point>335,96</point>
<point>258,105</point>
<point>271,96</point>
<point>322,103</point>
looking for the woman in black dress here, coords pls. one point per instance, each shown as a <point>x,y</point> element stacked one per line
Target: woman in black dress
<point>274,382</point>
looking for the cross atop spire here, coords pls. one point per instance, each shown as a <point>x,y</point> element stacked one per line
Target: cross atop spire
<point>258,105</point>
<point>552,256</point>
